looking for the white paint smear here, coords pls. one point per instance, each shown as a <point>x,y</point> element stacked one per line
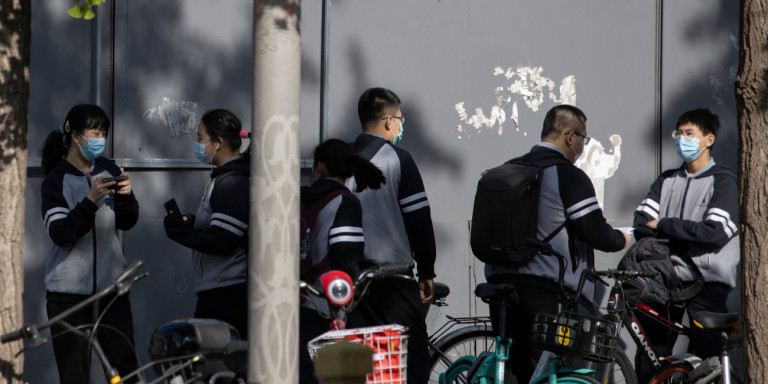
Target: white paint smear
<point>600,165</point>
<point>178,117</point>
<point>522,83</point>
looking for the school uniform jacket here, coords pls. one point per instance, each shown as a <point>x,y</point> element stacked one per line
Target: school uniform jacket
<point>336,237</point>
<point>698,213</point>
<point>217,233</point>
<point>567,196</point>
<point>397,220</point>
<point>86,255</point>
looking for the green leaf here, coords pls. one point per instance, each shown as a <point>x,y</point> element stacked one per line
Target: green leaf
<point>75,12</point>
<point>89,14</point>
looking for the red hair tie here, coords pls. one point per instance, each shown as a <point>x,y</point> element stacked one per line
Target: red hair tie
<point>244,134</point>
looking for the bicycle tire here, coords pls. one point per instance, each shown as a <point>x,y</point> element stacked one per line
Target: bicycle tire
<point>575,378</point>
<point>674,373</point>
<point>457,373</point>
<point>470,343</point>
<point>618,371</point>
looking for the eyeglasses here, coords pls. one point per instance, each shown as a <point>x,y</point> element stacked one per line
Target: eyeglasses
<point>586,138</point>
<point>402,118</point>
<point>676,134</point>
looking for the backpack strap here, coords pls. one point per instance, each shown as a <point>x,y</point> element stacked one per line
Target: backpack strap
<point>692,290</point>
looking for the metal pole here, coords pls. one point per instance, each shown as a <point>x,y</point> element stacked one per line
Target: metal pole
<point>324,50</point>
<point>273,269</point>
<point>96,57</point>
<point>658,83</point>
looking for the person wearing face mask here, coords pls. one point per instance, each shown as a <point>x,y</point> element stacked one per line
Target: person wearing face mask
<point>398,228</point>
<point>81,213</point>
<point>217,233</point>
<point>696,207</point>
<point>570,216</point>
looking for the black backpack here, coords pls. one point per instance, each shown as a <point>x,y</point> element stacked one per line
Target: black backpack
<point>506,212</point>
<point>651,254</point>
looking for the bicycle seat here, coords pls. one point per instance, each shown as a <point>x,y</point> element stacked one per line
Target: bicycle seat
<point>441,291</point>
<point>487,292</point>
<point>719,322</point>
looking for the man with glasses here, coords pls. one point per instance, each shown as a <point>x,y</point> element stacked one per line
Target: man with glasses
<point>397,224</point>
<point>696,207</point>
<point>570,216</point>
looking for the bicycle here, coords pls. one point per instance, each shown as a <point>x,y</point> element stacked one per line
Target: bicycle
<point>716,370</point>
<point>457,337</point>
<point>389,342</point>
<point>180,366</point>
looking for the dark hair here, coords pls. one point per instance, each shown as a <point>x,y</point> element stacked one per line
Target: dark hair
<point>79,119</point>
<point>375,103</point>
<point>223,123</point>
<point>703,118</point>
<point>562,117</point>
<point>341,162</point>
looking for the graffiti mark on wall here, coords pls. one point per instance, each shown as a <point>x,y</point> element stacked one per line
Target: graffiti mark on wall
<point>600,164</point>
<point>524,84</point>
<point>178,117</point>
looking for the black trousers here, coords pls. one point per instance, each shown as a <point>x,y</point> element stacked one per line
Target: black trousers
<point>523,356</point>
<point>228,304</point>
<point>311,325</point>
<point>397,301</point>
<point>71,350</point>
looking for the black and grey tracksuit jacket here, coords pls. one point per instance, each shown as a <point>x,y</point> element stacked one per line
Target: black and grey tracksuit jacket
<point>336,237</point>
<point>218,232</point>
<point>698,213</point>
<point>567,196</point>
<point>86,254</point>
<point>397,218</point>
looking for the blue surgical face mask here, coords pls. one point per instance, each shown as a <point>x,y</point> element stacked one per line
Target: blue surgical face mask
<point>200,153</point>
<point>94,148</point>
<point>396,138</point>
<point>688,148</point>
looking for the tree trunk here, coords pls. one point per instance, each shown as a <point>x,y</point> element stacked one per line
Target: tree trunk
<point>752,100</point>
<point>14,98</point>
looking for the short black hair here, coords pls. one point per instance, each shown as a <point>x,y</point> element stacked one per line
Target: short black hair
<point>562,117</point>
<point>703,118</point>
<point>374,104</point>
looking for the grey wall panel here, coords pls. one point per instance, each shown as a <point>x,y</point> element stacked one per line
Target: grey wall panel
<point>451,62</point>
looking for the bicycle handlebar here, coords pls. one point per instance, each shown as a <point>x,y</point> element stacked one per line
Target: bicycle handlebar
<point>121,284</point>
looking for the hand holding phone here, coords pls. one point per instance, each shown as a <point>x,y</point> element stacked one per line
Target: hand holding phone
<point>171,206</point>
<point>114,178</point>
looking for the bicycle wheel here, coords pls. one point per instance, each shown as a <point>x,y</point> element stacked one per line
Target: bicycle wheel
<point>618,371</point>
<point>457,374</point>
<point>463,344</point>
<point>674,373</point>
<point>575,378</point>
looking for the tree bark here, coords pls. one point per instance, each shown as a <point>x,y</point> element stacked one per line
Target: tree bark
<point>752,101</point>
<point>14,99</point>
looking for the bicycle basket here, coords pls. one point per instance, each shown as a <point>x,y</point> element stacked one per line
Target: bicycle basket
<point>574,335</point>
<point>390,350</point>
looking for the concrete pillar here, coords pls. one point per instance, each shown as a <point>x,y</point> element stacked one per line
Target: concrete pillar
<point>274,210</point>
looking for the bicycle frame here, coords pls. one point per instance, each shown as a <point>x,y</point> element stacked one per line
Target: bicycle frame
<point>618,306</point>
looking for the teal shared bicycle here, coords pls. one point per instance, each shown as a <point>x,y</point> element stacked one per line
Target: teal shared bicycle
<point>566,335</point>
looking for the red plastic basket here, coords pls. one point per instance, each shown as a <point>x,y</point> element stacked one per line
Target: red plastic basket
<point>390,350</point>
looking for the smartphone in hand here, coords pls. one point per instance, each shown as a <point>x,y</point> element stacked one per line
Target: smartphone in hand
<point>171,206</point>
<point>114,178</point>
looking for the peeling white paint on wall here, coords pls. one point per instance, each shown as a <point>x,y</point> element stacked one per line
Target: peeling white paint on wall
<point>526,83</point>
<point>600,164</point>
<point>178,117</point>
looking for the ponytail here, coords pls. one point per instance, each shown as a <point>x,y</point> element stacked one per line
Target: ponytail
<point>341,162</point>
<point>54,148</point>
<point>366,174</point>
